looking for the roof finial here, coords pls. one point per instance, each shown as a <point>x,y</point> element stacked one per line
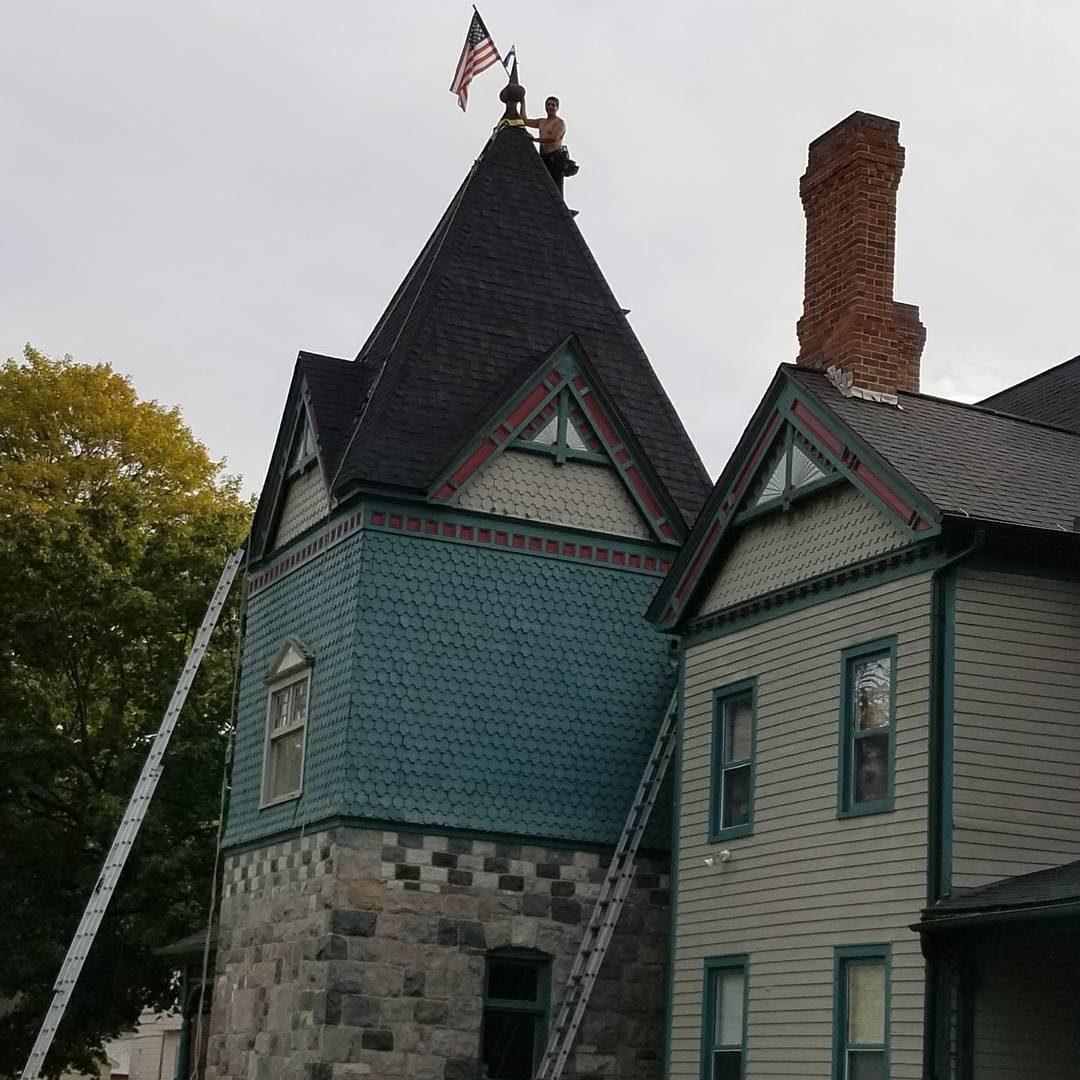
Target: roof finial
<point>512,94</point>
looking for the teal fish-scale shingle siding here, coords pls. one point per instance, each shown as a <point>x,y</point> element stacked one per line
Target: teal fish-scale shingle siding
<point>316,604</point>
<point>513,694</point>
<point>490,691</point>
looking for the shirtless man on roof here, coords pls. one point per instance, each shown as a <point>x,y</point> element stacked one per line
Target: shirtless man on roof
<point>552,128</point>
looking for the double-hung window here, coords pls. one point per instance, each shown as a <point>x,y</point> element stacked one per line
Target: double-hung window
<point>867,740</point>
<point>288,690</point>
<point>861,1013</point>
<point>731,812</point>
<point>516,995</point>
<point>723,1042</point>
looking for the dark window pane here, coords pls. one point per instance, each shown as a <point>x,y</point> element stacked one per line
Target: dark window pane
<point>509,1045</point>
<point>871,767</point>
<point>871,679</point>
<point>738,716</point>
<point>513,980</point>
<point>866,1065</point>
<point>727,1065</point>
<point>736,808</point>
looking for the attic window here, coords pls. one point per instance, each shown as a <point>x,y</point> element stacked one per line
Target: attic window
<point>560,428</point>
<point>303,446</point>
<point>793,465</point>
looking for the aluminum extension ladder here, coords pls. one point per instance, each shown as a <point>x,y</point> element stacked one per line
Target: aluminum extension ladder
<point>609,905</point>
<point>129,828</point>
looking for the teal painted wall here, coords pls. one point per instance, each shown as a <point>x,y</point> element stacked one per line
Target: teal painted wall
<point>316,603</point>
<point>489,691</point>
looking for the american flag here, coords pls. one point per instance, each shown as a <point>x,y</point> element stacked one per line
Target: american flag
<point>478,55</point>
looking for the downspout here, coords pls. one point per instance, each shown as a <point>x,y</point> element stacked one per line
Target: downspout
<point>939,809</point>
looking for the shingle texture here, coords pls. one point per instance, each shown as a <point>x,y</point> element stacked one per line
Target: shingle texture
<point>1058,885</point>
<point>459,687</point>
<point>967,460</point>
<point>828,531</point>
<point>1051,397</point>
<point>304,504</point>
<point>327,629</point>
<point>505,277</point>
<point>501,692</point>
<point>532,486</point>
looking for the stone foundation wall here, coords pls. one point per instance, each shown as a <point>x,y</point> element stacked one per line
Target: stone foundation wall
<point>359,953</point>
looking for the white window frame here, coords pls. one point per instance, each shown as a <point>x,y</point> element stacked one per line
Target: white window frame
<point>278,679</point>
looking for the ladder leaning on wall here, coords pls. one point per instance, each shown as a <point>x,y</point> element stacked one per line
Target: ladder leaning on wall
<point>609,904</point>
<point>129,828</point>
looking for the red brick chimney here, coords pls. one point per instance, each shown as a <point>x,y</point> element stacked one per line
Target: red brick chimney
<point>850,320</point>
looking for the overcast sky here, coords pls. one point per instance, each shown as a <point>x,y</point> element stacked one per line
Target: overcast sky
<point>194,191</point>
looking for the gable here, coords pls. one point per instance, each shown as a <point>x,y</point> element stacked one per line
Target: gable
<point>536,487</point>
<point>794,450</point>
<point>304,503</point>
<point>557,452</point>
<point>832,529</point>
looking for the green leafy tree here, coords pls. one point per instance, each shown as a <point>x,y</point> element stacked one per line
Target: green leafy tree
<point>115,524</point>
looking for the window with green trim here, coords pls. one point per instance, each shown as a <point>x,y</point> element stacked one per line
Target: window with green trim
<point>731,812</point>
<point>516,997</point>
<point>861,1013</point>
<point>723,1037</point>
<point>867,728</point>
<point>303,450</point>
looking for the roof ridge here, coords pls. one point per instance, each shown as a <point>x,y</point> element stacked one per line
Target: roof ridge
<point>974,406</point>
<point>1032,378</point>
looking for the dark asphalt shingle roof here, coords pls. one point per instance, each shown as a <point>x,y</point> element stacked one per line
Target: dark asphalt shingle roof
<point>1052,396</point>
<point>337,389</point>
<point>968,460</point>
<point>1058,885</point>
<point>505,277</point>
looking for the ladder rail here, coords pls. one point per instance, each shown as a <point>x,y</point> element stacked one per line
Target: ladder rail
<point>128,830</point>
<point>609,904</point>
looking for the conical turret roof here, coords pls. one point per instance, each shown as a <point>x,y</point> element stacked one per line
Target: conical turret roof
<point>505,277</point>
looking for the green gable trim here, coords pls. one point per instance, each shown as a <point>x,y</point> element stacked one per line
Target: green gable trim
<point>846,807</point>
<point>842,956</point>
<point>565,382</point>
<point>785,404</point>
<point>917,559</point>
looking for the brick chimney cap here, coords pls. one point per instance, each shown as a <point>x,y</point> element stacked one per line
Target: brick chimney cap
<point>857,121</point>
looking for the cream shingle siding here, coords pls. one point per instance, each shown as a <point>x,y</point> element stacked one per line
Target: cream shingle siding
<point>532,486</point>
<point>1016,793</point>
<point>804,881</point>
<point>827,531</point>
<point>305,504</point>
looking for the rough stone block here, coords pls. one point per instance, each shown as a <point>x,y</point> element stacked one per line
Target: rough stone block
<point>353,923</point>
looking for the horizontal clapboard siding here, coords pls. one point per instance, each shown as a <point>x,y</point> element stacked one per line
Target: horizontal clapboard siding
<point>1016,793</point>
<point>804,881</point>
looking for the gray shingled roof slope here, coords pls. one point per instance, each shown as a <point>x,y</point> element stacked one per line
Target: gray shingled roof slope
<point>337,389</point>
<point>505,277</point>
<point>967,460</point>
<point>1058,885</point>
<point>1051,397</point>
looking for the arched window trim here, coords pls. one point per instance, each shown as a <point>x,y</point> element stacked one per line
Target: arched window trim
<point>288,700</point>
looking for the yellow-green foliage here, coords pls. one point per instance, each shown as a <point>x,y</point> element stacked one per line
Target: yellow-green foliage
<point>114,526</point>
